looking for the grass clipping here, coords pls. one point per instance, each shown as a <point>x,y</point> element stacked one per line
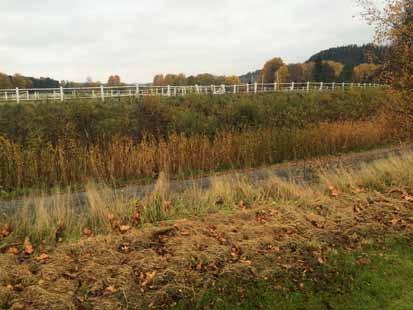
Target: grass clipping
<point>246,233</point>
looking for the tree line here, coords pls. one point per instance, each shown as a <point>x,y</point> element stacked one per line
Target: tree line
<point>352,63</point>
<point>200,79</point>
<point>20,81</point>
<point>275,70</point>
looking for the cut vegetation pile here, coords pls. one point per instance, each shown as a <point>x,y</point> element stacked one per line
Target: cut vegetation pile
<point>284,241</point>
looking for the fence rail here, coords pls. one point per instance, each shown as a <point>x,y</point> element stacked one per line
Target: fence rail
<point>105,92</point>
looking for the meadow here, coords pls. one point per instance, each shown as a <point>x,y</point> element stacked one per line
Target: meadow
<point>49,145</point>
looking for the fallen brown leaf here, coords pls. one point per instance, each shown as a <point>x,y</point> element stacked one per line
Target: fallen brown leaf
<point>42,258</point>
<point>147,277</point>
<point>136,217</point>
<point>28,247</point>
<point>334,192</point>
<point>6,230</point>
<point>124,228</point>
<point>316,220</point>
<point>167,206</point>
<point>110,217</point>
<point>87,232</point>
<point>110,289</point>
<point>242,205</point>
<point>12,250</point>
<point>394,221</point>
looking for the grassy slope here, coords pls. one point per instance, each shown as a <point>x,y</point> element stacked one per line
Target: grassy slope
<point>385,282</point>
<point>58,145</point>
<point>344,242</point>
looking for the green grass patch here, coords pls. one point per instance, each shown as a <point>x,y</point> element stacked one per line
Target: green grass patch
<point>379,277</point>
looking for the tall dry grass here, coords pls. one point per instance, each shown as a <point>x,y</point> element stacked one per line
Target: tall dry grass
<point>103,211</point>
<point>42,165</point>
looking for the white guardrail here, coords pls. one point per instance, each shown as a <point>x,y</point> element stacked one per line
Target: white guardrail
<point>106,92</point>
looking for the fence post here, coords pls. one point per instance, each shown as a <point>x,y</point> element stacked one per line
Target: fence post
<point>248,88</point>
<point>137,90</point>
<point>333,86</point>
<point>102,93</point>
<point>61,93</point>
<point>255,87</point>
<point>343,85</point>
<point>17,95</point>
<point>168,92</point>
<point>275,87</point>
<point>321,85</point>
<point>5,96</point>
<point>292,86</point>
<point>235,89</point>
<point>197,88</point>
<point>308,87</point>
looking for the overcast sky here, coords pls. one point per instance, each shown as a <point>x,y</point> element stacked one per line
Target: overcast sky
<point>137,39</point>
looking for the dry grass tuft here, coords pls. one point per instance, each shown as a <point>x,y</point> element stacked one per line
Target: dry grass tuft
<point>121,159</point>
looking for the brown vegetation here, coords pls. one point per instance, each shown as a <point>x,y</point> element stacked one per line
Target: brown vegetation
<point>276,228</point>
<point>121,159</point>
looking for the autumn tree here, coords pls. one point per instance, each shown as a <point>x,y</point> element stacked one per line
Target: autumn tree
<point>336,66</point>
<point>5,82</point>
<point>308,71</point>
<point>268,73</point>
<point>232,80</point>
<point>114,80</point>
<point>365,73</point>
<point>295,73</point>
<point>159,80</point>
<point>282,75</point>
<point>20,81</point>
<point>323,72</point>
<point>394,26</point>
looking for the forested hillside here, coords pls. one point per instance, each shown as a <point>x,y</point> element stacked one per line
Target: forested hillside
<point>352,55</point>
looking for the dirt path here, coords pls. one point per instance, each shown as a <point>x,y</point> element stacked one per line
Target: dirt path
<point>302,170</point>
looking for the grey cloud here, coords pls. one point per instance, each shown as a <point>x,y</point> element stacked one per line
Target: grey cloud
<point>137,39</point>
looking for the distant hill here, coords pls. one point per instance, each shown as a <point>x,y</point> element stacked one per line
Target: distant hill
<point>353,55</point>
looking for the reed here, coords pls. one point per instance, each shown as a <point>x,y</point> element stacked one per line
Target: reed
<point>122,159</point>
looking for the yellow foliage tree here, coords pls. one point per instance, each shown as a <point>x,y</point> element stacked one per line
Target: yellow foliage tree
<point>282,75</point>
<point>268,73</point>
<point>337,67</point>
<point>365,73</point>
<point>114,80</point>
<point>232,80</point>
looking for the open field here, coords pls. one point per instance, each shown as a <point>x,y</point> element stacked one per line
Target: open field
<point>329,241</point>
<point>70,144</point>
<point>333,242</point>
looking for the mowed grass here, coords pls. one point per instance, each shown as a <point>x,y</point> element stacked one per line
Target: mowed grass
<point>341,242</point>
<point>385,281</point>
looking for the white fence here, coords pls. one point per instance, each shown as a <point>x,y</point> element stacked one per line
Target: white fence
<point>105,92</point>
